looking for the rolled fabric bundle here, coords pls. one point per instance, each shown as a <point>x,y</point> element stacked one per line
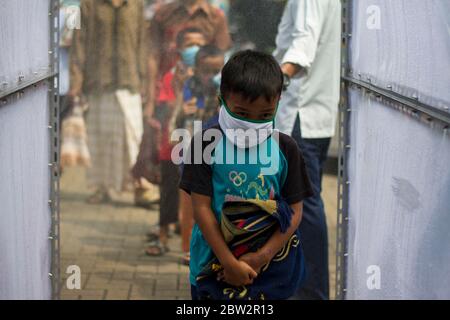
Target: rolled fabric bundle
<point>247,224</point>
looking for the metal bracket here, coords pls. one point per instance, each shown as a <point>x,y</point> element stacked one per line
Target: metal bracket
<point>5,94</point>
<point>412,103</point>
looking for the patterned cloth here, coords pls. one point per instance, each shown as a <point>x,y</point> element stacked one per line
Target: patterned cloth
<point>247,225</point>
<point>107,142</point>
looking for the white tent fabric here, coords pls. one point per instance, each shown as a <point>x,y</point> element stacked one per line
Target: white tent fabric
<point>399,173</point>
<point>25,217</point>
<point>404,44</point>
<point>24,41</point>
<point>399,205</point>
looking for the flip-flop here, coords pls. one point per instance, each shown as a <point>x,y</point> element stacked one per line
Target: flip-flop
<point>152,236</point>
<point>156,249</point>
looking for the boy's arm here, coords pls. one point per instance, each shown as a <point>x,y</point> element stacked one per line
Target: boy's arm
<point>210,228</point>
<point>295,188</point>
<point>237,273</point>
<point>277,241</point>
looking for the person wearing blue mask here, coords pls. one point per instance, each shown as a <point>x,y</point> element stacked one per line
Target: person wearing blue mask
<point>189,41</point>
<point>245,243</point>
<point>200,91</point>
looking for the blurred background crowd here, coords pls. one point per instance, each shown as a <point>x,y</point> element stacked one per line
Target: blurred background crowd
<point>132,76</point>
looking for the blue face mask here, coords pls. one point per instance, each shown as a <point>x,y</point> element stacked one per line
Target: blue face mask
<point>189,54</point>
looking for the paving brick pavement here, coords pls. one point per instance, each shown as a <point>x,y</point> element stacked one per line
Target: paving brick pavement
<point>107,242</point>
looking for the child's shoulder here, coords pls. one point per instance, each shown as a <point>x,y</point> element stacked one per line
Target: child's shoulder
<point>203,139</point>
<point>286,143</point>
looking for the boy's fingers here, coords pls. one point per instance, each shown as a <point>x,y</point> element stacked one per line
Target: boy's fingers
<point>251,272</point>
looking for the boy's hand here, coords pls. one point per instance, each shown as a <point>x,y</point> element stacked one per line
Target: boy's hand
<point>256,260</point>
<point>190,107</point>
<point>238,274</point>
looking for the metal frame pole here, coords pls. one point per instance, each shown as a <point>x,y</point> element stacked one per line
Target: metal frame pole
<point>53,104</point>
<point>344,146</point>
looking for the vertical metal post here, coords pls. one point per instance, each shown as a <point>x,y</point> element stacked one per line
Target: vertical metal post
<point>53,104</point>
<point>344,145</point>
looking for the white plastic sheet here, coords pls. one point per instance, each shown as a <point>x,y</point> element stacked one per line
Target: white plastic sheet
<point>399,207</point>
<point>404,44</point>
<point>25,217</point>
<point>24,41</point>
<point>25,253</point>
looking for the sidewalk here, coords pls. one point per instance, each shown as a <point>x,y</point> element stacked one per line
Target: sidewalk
<point>107,242</point>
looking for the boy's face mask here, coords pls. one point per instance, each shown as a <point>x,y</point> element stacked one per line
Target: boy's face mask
<point>189,54</point>
<point>243,132</point>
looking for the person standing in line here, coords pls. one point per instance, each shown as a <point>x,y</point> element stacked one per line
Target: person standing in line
<point>108,66</point>
<point>308,49</point>
<point>165,25</point>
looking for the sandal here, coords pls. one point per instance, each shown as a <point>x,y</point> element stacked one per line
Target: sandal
<point>156,249</point>
<point>152,236</point>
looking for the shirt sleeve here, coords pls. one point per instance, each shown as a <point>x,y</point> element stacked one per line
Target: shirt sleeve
<point>197,174</point>
<point>222,39</point>
<point>308,20</point>
<point>297,186</point>
<point>142,46</point>
<point>155,37</point>
<point>78,48</point>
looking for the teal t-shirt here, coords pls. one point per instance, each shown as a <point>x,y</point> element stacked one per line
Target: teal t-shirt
<point>226,172</point>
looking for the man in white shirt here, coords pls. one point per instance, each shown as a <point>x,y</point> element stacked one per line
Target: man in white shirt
<point>308,49</point>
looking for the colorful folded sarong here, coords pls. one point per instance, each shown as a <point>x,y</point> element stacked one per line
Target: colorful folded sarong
<point>246,226</point>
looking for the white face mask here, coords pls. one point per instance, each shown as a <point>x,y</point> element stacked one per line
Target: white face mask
<point>241,132</point>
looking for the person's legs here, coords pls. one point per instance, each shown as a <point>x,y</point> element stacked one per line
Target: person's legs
<point>186,222</point>
<point>313,228</point>
<point>107,145</point>
<point>168,212</point>
<point>194,293</point>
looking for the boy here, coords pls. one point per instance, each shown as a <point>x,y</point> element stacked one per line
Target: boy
<point>200,91</point>
<point>253,255</point>
<point>199,102</point>
<point>189,42</point>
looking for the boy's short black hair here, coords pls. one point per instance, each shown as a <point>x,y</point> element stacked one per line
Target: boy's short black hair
<point>252,74</point>
<point>182,33</point>
<point>208,51</point>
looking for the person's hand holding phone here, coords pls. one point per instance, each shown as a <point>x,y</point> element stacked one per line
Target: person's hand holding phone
<point>182,74</point>
<point>190,106</point>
